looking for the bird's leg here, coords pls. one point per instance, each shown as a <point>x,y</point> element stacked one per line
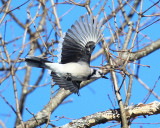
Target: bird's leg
<point>68,77</point>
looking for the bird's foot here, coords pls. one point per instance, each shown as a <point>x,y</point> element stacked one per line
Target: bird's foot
<point>68,77</point>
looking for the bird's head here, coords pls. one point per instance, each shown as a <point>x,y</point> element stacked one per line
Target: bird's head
<point>97,74</point>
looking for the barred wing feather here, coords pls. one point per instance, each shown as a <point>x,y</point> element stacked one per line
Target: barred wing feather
<point>79,41</point>
<point>73,86</point>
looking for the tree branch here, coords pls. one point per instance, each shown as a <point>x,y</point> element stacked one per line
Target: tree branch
<point>145,51</point>
<point>114,115</point>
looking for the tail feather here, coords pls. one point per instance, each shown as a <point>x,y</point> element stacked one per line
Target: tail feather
<point>38,62</point>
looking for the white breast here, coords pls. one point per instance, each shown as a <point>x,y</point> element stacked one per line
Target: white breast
<point>78,70</point>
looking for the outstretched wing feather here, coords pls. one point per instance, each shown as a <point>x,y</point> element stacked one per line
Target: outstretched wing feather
<point>77,39</point>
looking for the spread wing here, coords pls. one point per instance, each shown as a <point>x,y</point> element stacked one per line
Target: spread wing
<point>73,86</point>
<point>79,41</point>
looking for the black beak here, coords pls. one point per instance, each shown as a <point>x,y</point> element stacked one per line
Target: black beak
<point>103,76</point>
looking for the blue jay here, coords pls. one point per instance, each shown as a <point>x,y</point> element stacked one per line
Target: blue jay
<point>76,48</point>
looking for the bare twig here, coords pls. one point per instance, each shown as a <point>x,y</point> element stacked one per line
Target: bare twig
<point>5,12</point>
<point>33,117</point>
<point>8,104</point>
<point>56,17</point>
<point>2,124</point>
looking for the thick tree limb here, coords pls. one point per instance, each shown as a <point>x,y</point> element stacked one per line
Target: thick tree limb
<point>137,54</point>
<point>110,115</point>
<point>145,51</point>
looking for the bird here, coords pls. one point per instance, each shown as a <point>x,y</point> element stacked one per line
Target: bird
<point>75,49</point>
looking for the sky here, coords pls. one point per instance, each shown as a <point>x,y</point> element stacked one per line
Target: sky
<point>96,96</point>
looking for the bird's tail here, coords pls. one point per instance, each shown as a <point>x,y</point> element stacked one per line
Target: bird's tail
<point>38,62</point>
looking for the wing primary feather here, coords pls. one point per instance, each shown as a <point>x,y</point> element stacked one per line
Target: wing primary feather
<point>96,21</point>
<point>100,24</point>
<point>95,28</point>
<point>70,33</point>
<point>74,33</point>
<point>81,32</point>
<point>78,37</point>
<point>91,26</point>
<point>100,33</point>
<point>100,27</point>
<point>83,27</point>
<point>71,41</point>
<point>86,25</point>
<point>78,34</point>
